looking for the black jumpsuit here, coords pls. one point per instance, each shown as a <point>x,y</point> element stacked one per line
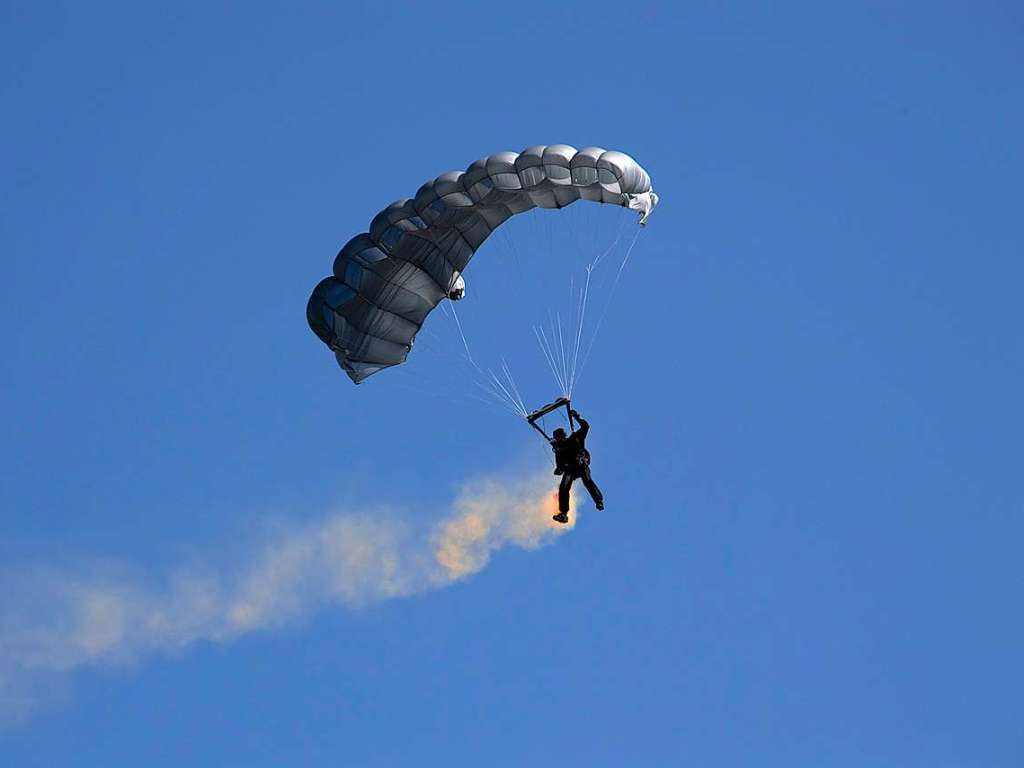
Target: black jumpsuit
<point>573,459</point>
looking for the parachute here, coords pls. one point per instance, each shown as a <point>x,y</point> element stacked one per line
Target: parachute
<point>387,280</point>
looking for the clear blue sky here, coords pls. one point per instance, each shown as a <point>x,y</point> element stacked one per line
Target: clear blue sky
<point>806,404</point>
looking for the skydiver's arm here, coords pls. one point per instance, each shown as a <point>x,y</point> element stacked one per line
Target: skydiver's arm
<point>584,425</point>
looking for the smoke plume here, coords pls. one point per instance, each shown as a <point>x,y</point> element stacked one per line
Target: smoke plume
<point>53,622</point>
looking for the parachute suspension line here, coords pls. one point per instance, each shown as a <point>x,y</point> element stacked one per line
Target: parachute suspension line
<point>439,346</point>
<point>499,393</point>
<point>625,259</point>
<point>512,384</point>
<point>580,319</point>
<point>545,347</point>
<point>512,391</point>
<point>432,342</point>
<point>549,354</point>
<point>515,404</point>
<point>498,389</point>
<point>556,334</point>
<point>455,400</point>
<point>406,380</point>
<point>485,401</point>
<point>555,355</point>
<point>496,397</point>
<point>561,349</point>
<point>568,359</point>
<point>458,325</point>
<point>565,363</point>
<point>608,301</point>
<point>610,248</point>
<point>547,451</point>
<point>511,244</point>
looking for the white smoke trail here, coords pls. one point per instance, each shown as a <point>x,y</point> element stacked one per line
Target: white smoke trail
<point>54,622</point>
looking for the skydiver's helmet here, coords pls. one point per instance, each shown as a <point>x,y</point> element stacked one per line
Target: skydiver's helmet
<point>558,434</point>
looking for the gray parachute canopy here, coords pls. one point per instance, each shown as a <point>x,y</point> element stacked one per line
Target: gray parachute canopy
<point>386,281</point>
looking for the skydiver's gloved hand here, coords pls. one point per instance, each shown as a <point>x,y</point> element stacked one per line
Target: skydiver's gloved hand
<point>558,470</point>
<point>575,414</point>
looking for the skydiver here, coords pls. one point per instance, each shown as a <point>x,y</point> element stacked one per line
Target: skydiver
<point>572,462</point>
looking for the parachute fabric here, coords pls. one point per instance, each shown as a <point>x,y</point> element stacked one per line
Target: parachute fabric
<point>387,280</point>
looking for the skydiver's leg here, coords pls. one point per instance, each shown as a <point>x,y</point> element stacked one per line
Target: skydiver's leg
<point>595,492</point>
<point>563,492</point>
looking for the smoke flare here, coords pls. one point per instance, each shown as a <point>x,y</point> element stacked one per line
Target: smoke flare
<point>67,620</point>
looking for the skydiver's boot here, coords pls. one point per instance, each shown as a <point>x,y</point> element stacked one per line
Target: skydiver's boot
<point>564,487</point>
<point>599,505</point>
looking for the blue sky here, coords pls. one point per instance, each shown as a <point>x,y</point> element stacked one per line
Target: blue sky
<point>805,400</point>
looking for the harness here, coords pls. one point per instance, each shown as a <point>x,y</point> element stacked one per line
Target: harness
<point>563,463</point>
<point>567,459</point>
